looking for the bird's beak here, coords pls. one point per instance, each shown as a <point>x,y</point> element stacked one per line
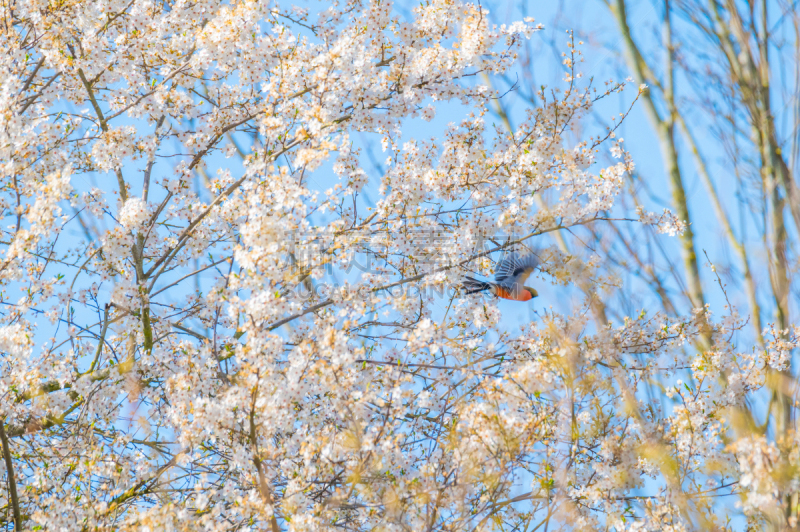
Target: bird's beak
<point>534,293</point>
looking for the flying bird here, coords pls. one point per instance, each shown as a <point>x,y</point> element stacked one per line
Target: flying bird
<point>509,279</point>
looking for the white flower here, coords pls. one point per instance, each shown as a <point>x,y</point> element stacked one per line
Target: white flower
<point>134,214</point>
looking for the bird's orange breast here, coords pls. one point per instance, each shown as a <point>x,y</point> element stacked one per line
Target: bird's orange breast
<point>502,293</point>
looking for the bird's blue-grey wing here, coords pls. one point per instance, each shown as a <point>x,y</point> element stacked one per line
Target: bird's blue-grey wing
<point>505,267</point>
<point>515,269</point>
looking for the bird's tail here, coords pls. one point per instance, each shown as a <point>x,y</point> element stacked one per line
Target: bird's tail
<point>474,285</point>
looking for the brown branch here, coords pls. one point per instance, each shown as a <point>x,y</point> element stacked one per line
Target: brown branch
<point>12,485</point>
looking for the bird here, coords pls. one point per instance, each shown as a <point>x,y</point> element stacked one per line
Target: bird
<point>509,279</point>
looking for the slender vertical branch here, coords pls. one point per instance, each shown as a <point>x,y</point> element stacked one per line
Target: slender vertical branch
<point>151,161</point>
<point>123,189</point>
<point>665,130</point>
<point>263,485</point>
<point>12,485</point>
